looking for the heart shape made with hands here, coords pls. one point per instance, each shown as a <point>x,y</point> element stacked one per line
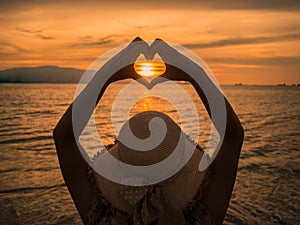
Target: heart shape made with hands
<point>167,53</point>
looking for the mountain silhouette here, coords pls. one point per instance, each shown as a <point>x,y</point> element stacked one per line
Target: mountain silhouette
<point>42,74</point>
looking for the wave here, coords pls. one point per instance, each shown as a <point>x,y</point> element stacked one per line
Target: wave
<point>22,140</point>
<point>41,169</point>
<point>26,189</point>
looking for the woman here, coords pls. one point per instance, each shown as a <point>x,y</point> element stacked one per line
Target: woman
<point>214,186</point>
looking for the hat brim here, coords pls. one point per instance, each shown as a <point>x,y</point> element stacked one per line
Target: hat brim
<point>181,189</point>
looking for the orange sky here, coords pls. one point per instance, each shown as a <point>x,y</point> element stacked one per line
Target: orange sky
<point>249,43</point>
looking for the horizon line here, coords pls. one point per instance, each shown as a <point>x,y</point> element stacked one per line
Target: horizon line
<point>238,83</point>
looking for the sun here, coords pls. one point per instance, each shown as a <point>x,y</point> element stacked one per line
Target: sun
<point>149,68</point>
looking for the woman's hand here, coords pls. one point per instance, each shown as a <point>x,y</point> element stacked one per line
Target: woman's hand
<point>176,63</point>
<point>181,68</point>
<point>120,66</point>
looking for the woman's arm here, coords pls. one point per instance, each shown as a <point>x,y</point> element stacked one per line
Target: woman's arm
<point>223,169</point>
<point>224,166</point>
<point>73,165</point>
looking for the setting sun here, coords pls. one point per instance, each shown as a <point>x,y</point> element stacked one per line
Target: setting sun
<point>149,68</point>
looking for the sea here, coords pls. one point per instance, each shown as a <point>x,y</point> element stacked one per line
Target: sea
<point>32,190</point>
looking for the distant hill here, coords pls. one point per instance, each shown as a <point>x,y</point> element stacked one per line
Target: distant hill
<point>42,74</point>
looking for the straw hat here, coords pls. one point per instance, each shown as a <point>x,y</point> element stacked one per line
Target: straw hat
<point>164,201</point>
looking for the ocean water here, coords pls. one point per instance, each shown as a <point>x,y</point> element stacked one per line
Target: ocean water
<point>32,190</point>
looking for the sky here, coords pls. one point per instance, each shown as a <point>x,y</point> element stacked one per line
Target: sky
<point>250,42</point>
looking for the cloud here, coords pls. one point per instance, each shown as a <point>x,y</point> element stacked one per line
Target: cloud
<point>280,5</point>
<point>6,48</point>
<point>244,41</point>
<point>35,33</point>
<point>98,43</point>
<point>143,26</point>
<point>29,31</point>
<point>255,4</point>
<point>44,37</point>
<point>89,41</point>
<point>281,61</point>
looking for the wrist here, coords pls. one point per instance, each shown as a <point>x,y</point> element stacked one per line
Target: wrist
<point>126,72</point>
